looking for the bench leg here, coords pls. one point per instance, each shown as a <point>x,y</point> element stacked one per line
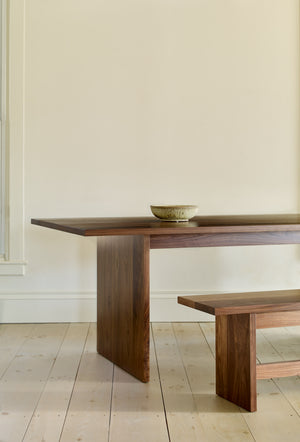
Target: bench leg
<point>236,359</point>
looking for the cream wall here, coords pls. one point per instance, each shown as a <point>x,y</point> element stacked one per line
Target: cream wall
<point>133,102</point>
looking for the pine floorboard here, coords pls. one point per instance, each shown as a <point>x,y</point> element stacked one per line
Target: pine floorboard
<point>55,387</point>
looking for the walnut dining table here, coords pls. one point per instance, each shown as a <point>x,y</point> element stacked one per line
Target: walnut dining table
<point>123,251</point>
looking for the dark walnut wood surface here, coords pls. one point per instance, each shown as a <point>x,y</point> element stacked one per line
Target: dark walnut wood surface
<point>152,226</point>
<point>237,303</point>
<point>123,302</point>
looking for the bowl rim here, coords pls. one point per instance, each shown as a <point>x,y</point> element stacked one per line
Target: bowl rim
<point>178,206</point>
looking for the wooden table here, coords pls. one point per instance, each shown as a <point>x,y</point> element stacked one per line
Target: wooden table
<point>123,268</point>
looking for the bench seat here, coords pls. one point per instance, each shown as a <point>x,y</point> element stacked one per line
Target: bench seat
<point>238,315</point>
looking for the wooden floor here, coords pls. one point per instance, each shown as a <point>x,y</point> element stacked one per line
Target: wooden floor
<point>55,387</point>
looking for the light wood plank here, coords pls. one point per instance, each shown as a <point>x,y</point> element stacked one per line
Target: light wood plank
<point>290,388</point>
<point>48,419</point>
<point>209,333</point>
<point>30,383</point>
<point>265,352</point>
<point>24,380</point>
<point>137,408</point>
<point>222,419</point>
<point>284,341</point>
<point>12,337</point>
<point>183,420</point>
<point>89,411</point>
<point>275,419</point>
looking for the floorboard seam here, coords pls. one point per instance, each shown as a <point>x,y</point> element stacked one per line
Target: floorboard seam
<point>161,389</point>
<point>74,383</point>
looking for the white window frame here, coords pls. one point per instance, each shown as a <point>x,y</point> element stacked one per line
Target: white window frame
<point>2,126</point>
<point>12,257</point>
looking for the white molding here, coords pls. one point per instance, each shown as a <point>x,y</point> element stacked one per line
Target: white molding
<point>46,296</point>
<point>171,294</point>
<point>81,307</point>
<point>3,105</point>
<point>164,307</point>
<point>16,307</point>
<point>12,268</point>
<point>14,254</point>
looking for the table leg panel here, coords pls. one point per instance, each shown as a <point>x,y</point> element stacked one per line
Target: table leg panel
<point>123,302</point>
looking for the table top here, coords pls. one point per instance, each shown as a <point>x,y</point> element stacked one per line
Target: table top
<point>153,226</point>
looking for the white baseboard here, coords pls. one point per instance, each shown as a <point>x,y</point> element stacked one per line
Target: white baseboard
<point>47,307</point>
<point>164,308</point>
<point>22,307</point>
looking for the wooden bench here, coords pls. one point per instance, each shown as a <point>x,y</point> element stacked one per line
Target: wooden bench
<point>238,315</point>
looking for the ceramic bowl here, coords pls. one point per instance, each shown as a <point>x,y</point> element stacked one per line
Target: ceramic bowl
<point>174,213</point>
